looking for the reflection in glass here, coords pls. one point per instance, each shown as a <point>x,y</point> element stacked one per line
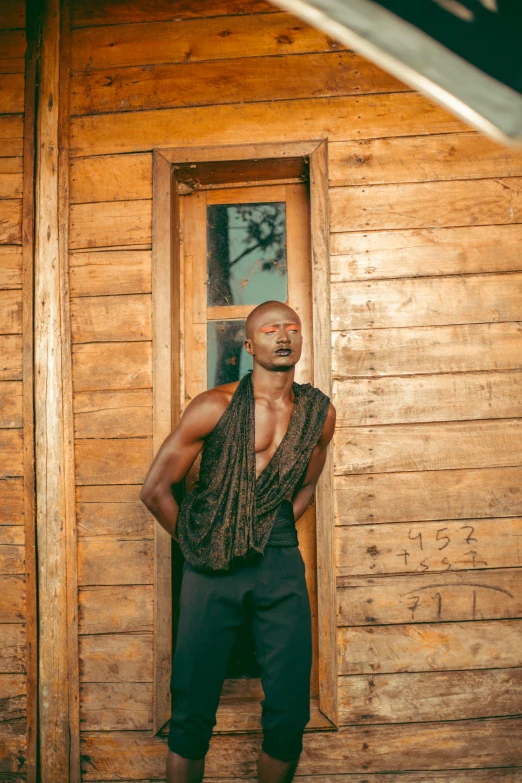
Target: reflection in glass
<point>227,359</point>
<point>246,253</point>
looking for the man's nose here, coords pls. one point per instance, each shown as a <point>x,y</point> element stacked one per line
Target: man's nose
<point>283,337</point>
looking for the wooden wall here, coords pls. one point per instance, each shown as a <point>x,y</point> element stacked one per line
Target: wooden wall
<point>17,534</point>
<point>426,336</point>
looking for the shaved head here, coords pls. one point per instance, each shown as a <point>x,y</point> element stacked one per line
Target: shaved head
<point>263,312</point>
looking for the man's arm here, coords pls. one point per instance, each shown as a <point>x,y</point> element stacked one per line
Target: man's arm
<point>303,497</point>
<point>177,454</point>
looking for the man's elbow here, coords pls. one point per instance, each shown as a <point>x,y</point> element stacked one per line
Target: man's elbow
<point>146,496</point>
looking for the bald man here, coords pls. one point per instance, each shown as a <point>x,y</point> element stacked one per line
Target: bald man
<point>263,441</point>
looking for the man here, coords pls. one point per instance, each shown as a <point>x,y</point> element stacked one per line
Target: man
<point>264,441</point>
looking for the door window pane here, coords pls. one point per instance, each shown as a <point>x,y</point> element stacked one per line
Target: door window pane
<point>246,262</point>
<point>227,359</point>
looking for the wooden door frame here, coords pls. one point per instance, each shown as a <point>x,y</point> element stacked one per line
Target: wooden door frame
<point>173,176</point>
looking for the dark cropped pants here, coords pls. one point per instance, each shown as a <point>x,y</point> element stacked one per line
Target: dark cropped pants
<point>212,607</point>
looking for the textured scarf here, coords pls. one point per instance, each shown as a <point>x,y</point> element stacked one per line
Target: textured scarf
<point>226,519</point>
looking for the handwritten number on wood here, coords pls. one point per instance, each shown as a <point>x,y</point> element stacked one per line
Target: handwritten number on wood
<point>469,537</point>
<point>438,537</point>
<point>414,538</point>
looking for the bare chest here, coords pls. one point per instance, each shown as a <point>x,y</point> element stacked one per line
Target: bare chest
<point>271,426</point>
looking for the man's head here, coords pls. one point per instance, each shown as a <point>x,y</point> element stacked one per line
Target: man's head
<point>273,336</point>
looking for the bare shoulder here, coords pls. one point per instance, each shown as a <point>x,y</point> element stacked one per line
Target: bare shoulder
<point>204,411</point>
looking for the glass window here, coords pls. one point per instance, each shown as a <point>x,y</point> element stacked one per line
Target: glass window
<point>227,359</point>
<point>246,253</point>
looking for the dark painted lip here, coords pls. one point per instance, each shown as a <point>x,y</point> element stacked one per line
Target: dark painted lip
<point>287,351</point>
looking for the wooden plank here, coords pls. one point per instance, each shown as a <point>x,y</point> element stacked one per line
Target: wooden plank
<point>105,561</point>
<point>489,743</point>
<point>116,657</point>
<point>111,318</point>
<point>397,400</point>
<point>440,646</point>
<point>145,43</point>
<point>10,357</point>
<point>11,93</point>
<point>102,461</point>
<point>433,301</point>
<point>461,348</point>
<point>489,775</point>
<point>13,696</point>
<point>394,114</point>
<point>115,493</point>
<point>113,706</point>
<point>12,64</point>
<point>12,545</point>
<point>10,176</point>
<point>442,445</point>
<point>11,453</point>
<point>429,251</point>
<point>427,204</point>
<point>11,501</point>
<point>495,594</point>
<point>11,221</point>
<point>115,609</point>
<point>11,135</point>
<point>10,311</point>
<point>124,520</point>
<point>12,648</point>
<point>14,750</point>
<point>110,272</point>
<point>101,12</point>
<point>12,598</point>
<point>429,696</point>
<point>109,223</point>
<point>113,414</point>
<point>421,159</point>
<point>111,178</point>
<point>429,495</point>
<point>12,14</point>
<point>165,86</point>
<point>466,544</point>
<point>112,366</point>
<point>10,404</point>
<point>12,44</point>
<point>10,264</point>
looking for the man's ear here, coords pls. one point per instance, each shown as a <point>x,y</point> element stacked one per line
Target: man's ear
<point>249,348</point>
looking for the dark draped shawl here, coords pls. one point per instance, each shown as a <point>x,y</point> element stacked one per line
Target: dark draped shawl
<point>226,519</point>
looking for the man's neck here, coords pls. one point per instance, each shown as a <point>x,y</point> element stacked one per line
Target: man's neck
<point>276,385</point>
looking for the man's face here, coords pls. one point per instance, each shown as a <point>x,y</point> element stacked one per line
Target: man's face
<point>275,339</point>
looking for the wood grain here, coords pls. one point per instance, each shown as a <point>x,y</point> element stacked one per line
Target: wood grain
<point>429,495</point>
<point>12,44</point>
<point>10,312</point>
<point>441,445</point>
<point>10,357</point>
<point>429,696</point>
<point>101,12</point>
<point>463,156</point>
<point>115,609</point>
<point>110,272</point>
<point>397,400</point>
<point>111,178</point>
<point>11,135</point>
<point>10,265</point>
<point>110,493</point>
<point>110,414</point>
<point>12,546</point>
<point>12,649</point>
<point>10,177</point>
<point>105,561</point>
<point>500,775</point>
<point>433,301</point>
<point>11,453</point>
<point>116,657</point>
<point>109,223</point>
<point>145,43</point>
<point>383,748</point>
<point>493,594</point>
<point>462,348</point>
<point>10,404</point>
<point>11,500</point>
<point>111,318</point>
<point>394,114</point>
<point>123,520</point>
<point>112,366</point>
<point>13,696</point>
<point>11,93</point>
<point>109,706</point>
<point>467,544</point>
<point>12,598</point>
<point>239,80</point>
<point>112,461</point>
<point>12,14</point>
<point>427,204</point>
<point>430,251</point>
<point>10,221</point>
<point>440,646</point>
